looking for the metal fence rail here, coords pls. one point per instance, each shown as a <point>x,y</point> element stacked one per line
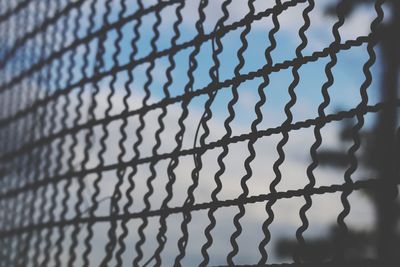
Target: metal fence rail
<point>81,95</point>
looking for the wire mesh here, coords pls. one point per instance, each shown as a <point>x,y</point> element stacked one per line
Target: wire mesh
<point>122,131</point>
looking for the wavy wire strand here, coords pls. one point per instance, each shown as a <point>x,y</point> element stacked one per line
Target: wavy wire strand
<point>228,121</point>
<point>174,162</point>
<point>58,162</point>
<point>356,131</point>
<point>161,124</point>
<point>285,135</point>
<point>185,45</point>
<point>292,102</point>
<point>47,156</point>
<point>262,100</point>
<point>214,75</point>
<point>14,255</point>
<point>81,185</point>
<point>36,161</point>
<point>86,58</point>
<point>317,129</point>
<point>20,163</point>
<point>189,201</point>
<point>130,80</point>
<point>71,62</point>
<point>105,133</point>
<point>33,96</point>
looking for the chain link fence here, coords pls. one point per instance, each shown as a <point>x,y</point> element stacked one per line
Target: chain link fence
<point>192,132</point>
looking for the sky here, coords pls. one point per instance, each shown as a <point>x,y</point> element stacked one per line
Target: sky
<point>344,93</point>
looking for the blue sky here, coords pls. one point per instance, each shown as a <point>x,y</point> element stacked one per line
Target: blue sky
<point>344,95</point>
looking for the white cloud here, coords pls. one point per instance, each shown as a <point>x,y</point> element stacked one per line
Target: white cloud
<point>322,215</point>
<point>325,208</point>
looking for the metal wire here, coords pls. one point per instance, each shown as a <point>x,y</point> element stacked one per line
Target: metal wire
<point>63,64</point>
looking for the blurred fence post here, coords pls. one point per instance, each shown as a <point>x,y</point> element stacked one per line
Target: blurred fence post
<point>387,154</point>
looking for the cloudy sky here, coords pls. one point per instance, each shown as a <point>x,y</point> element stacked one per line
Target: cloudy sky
<point>344,95</point>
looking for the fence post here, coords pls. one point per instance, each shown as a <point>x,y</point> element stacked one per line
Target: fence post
<point>387,156</point>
